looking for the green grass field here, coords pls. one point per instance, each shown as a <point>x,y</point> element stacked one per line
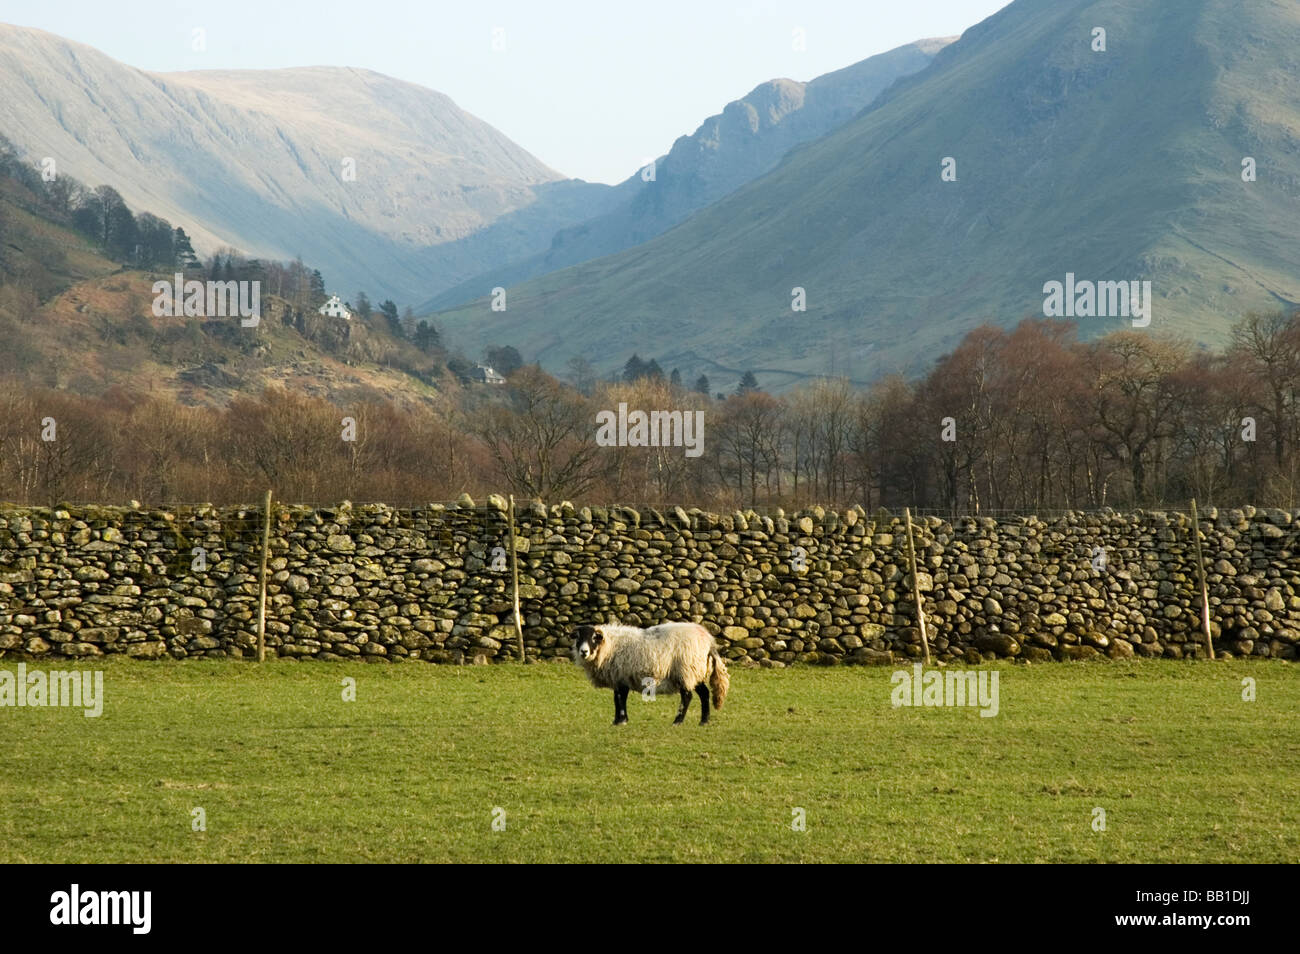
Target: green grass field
<point>285,770</point>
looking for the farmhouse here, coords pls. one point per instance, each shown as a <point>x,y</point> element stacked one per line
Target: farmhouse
<point>334,308</point>
<point>484,374</point>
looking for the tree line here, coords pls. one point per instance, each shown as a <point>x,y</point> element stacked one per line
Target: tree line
<point>1022,419</point>
<point>100,215</point>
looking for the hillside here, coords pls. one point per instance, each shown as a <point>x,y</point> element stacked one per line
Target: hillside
<point>75,320</point>
<point>1117,165</point>
<point>99,334</point>
<point>747,139</point>
<point>255,160</point>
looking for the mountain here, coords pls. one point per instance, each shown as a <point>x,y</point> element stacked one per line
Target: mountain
<point>255,160</point>
<point>1123,164</point>
<point>747,139</point>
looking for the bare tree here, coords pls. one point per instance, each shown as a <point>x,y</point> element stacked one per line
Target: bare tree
<point>542,438</point>
<point>1268,347</point>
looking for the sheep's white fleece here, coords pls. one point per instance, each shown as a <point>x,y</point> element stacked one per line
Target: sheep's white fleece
<point>674,655</point>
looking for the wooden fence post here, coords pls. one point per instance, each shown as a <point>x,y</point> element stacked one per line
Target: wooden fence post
<point>514,583</point>
<point>1200,575</point>
<point>916,585</point>
<point>261,599</point>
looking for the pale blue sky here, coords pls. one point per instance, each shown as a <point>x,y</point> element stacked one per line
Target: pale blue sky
<point>591,87</point>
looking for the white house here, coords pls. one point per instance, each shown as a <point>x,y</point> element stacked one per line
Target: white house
<point>485,374</point>
<point>335,308</point>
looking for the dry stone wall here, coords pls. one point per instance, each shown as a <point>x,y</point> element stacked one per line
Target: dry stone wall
<point>819,586</point>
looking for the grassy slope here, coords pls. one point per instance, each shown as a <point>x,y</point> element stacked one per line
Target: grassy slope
<point>35,246</point>
<point>146,353</point>
<point>412,770</point>
<point>1117,165</point>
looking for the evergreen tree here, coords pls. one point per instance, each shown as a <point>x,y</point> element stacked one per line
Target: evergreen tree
<point>389,310</point>
<point>702,385</point>
<point>426,337</point>
<point>675,379</point>
<point>635,369</point>
<point>364,309</point>
<point>748,383</point>
<point>183,250</point>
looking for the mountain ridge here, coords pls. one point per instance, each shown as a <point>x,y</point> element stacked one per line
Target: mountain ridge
<point>1061,167</point>
<point>747,138</point>
<point>436,191</point>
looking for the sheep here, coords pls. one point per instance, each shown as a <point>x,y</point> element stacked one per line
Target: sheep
<point>680,656</point>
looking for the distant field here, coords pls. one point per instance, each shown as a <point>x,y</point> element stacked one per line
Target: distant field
<point>286,771</point>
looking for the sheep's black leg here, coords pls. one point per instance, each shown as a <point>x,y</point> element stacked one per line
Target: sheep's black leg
<point>703,691</point>
<point>686,704</point>
<point>620,705</point>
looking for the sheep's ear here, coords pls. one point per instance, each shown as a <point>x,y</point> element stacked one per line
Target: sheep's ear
<point>596,636</point>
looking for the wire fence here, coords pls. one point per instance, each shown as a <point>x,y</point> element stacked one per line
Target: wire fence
<point>249,515</point>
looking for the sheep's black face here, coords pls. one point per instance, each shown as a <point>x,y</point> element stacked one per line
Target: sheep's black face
<point>586,642</point>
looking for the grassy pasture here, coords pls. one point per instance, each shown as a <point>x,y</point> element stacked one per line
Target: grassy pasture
<point>286,771</point>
